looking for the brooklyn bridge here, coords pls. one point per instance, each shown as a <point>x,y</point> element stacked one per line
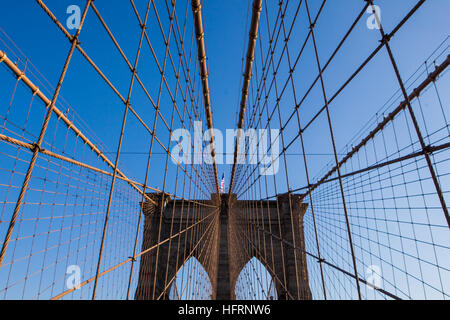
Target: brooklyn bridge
<point>120,180</point>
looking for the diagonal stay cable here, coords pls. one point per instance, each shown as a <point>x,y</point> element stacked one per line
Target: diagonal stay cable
<point>196,9</point>
<point>253,35</point>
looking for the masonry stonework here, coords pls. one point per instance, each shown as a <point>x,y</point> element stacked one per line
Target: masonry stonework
<point>229,243</point>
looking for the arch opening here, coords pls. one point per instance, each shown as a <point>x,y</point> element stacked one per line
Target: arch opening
<point>191,282</point>
<point>255,282</point>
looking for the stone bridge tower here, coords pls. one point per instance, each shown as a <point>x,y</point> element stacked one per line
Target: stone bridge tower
<point>228,246</point>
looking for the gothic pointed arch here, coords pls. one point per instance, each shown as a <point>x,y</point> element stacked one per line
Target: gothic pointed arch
<point>192,274</point>
<point>255,282</point>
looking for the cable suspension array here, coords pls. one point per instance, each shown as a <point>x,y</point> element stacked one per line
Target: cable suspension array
<point>329,204</point>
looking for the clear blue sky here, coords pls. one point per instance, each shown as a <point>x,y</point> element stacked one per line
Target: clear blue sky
<point>225,23</point>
